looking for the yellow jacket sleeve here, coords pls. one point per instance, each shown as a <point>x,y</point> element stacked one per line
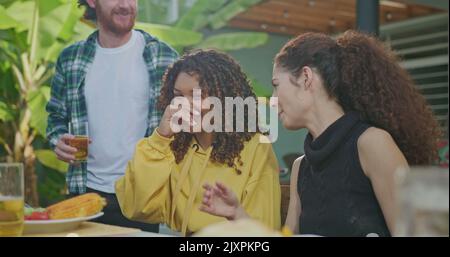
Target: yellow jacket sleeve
<point>262,196</point>
<point>144,192</point>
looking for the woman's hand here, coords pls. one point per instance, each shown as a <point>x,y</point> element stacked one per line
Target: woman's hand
<point>171,119</point>
<point>218,200</point>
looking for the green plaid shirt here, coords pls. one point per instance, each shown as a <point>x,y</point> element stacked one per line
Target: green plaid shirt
<point>68,103</point>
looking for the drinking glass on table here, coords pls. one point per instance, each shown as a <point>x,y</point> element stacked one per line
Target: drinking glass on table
<point>80,141</point>
<point>11,199</point>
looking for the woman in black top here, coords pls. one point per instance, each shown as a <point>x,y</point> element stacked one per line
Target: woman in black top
<point>365,120</point>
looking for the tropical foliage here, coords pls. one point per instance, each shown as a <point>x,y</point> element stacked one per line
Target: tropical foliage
<point>32,33</point>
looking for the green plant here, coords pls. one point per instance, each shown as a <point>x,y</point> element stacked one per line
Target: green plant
<point>32,33</point>
<point>187,32</point>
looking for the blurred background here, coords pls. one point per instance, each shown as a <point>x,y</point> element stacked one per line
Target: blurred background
<point>33,33</point>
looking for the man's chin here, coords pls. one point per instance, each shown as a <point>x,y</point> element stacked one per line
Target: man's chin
<point>121,29</point>
<point>121,26</point>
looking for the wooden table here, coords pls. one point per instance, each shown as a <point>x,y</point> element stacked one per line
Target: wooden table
<point>92,229</point>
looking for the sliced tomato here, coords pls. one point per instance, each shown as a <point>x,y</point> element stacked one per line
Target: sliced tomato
<point>38,216</point>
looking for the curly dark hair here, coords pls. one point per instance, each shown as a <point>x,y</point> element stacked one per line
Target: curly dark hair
<point>363,74</point>
<point>219,75</point>
<point>89,13</point>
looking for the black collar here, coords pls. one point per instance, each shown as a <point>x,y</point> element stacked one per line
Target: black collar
<point>318,151</point>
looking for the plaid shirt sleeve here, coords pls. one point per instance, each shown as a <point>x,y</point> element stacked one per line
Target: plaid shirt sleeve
<point>165,56</point>
<point>56,107</point>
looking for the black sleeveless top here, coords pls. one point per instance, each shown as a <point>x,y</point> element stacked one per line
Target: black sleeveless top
<point>337,199</point>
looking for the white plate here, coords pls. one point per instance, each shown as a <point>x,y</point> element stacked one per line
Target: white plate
<point>55,226</point>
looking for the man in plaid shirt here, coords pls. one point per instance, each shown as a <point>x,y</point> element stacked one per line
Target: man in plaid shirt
<point>111,82</point>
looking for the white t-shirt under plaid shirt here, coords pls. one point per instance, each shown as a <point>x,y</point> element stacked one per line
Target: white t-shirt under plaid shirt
<point>68,102</point>
<point>117,94</point>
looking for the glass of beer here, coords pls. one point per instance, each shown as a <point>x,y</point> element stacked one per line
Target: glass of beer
<point>11,199</point>
<point>80,142</point>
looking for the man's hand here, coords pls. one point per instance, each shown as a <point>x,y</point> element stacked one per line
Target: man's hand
<point>64,151</point>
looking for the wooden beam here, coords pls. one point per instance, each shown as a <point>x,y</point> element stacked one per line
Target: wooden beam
<point>256,26</point>
<point>276,17</point>
<point>329,16</point>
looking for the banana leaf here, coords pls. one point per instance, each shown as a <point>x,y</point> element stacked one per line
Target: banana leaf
<point>235,41</point>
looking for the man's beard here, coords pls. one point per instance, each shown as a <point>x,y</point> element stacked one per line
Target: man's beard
<point>107,20</point>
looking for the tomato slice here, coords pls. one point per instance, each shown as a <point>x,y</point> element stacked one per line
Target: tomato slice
<point>37,216</point>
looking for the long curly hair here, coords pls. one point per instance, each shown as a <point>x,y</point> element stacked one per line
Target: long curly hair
<point>362,74</point>
<point>219,76</point>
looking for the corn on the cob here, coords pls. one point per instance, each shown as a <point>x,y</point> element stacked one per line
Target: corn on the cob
<point>76,207</point>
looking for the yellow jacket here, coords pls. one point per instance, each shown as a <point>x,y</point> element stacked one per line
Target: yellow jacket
<point>157,190</point>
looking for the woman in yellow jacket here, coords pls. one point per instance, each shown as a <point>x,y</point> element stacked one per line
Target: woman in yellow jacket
<point>166,179</point>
